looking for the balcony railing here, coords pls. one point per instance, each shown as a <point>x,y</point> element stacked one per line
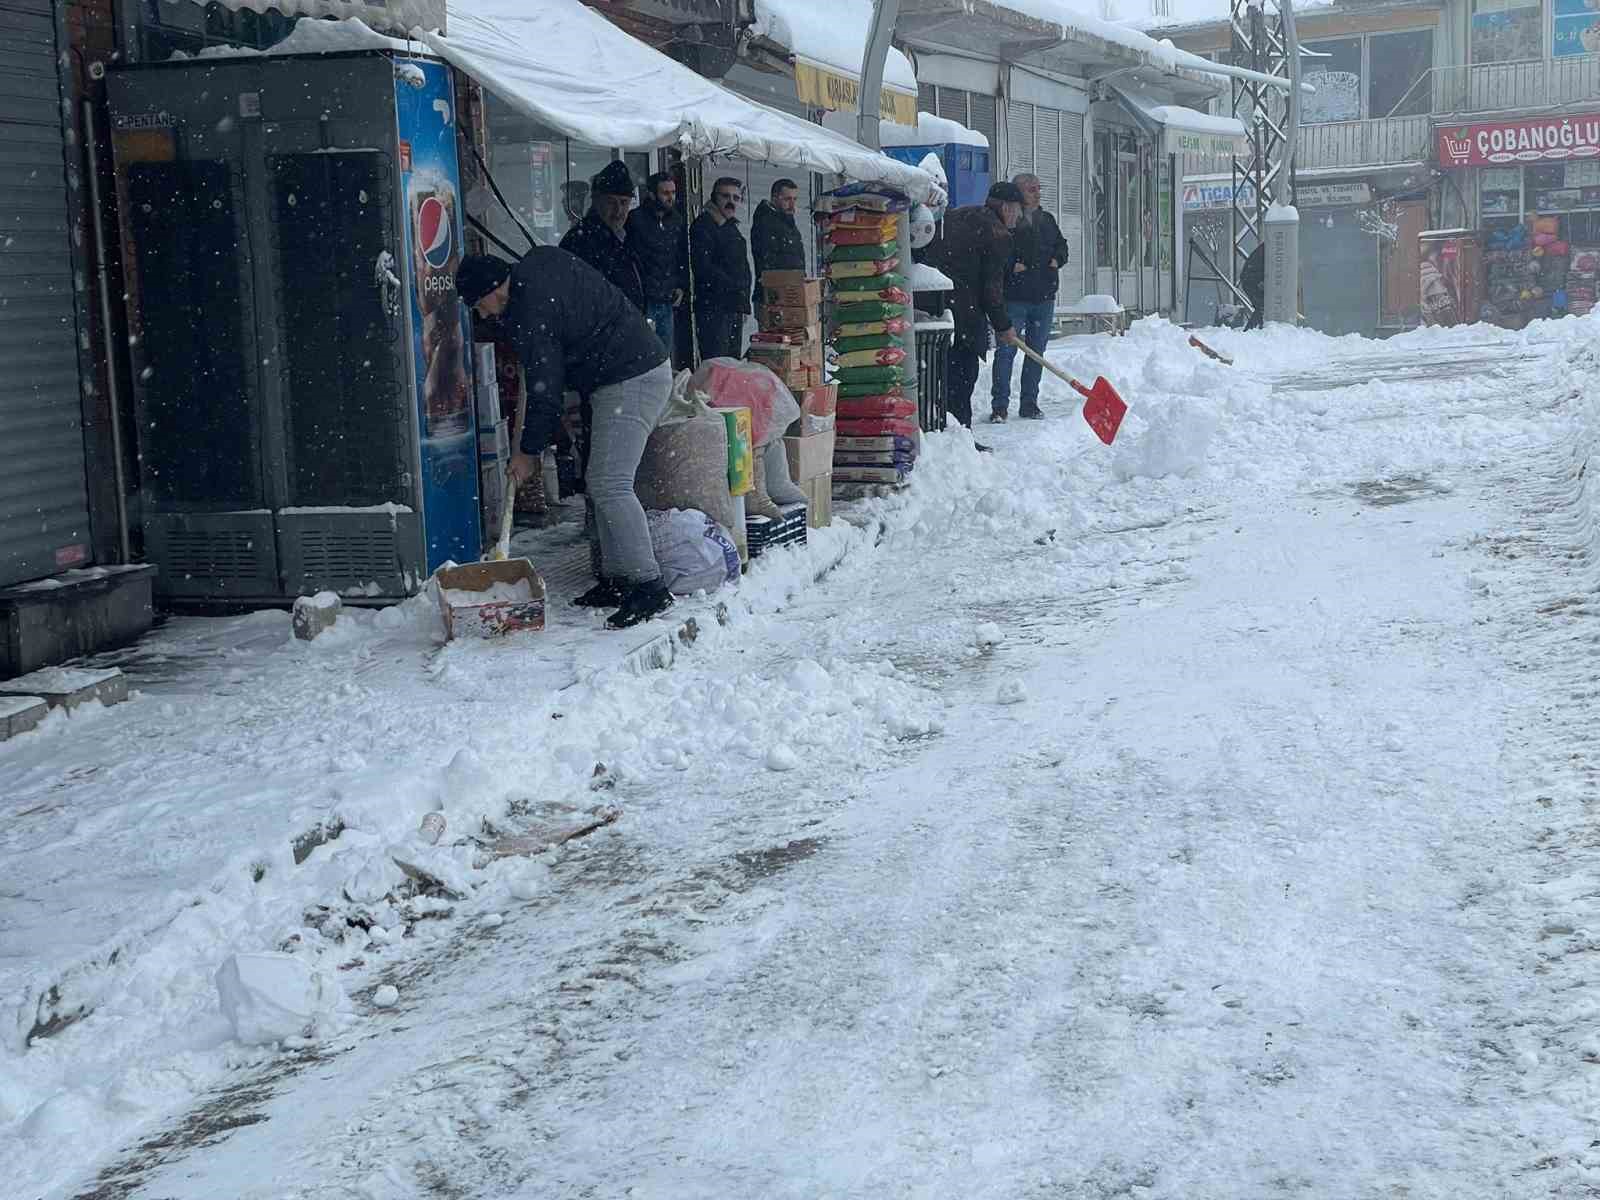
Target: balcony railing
<point>1363,143</point>
<point>1344,144</point>
<point>1504,87</point>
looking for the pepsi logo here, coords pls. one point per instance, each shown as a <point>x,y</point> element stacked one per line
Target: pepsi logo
<point>434,233</point>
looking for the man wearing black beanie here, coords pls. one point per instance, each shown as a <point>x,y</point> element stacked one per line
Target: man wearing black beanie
<point>574,331</point>
<point>974,251</point>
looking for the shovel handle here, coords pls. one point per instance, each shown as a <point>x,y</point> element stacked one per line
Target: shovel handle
<point>1053,369</point>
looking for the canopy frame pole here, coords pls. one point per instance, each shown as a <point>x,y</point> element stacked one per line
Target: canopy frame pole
<point>869,101</point>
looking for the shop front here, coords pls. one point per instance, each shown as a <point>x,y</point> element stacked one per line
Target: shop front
<point>1532,191</point>
<point>1137,146</point>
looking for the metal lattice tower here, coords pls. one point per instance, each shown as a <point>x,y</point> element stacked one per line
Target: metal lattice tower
<point>1263,32</point>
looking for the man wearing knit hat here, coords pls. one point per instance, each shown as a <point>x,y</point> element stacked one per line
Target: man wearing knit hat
<point>974,252</point>
<point>601,238</point>
<point>574,331</point>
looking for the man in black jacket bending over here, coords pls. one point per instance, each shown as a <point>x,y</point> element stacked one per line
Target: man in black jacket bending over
<point>721,264</point>
<point>575,331</point>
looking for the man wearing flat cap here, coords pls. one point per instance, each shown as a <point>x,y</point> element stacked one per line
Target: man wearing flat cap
<point>601,238</point>
<point>974,252</point>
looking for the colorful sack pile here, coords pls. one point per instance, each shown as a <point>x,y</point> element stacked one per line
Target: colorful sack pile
<point>870,332</point>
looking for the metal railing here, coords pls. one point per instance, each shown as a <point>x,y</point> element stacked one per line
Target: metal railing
<point>1503,87</point>
<point>1363,143</point>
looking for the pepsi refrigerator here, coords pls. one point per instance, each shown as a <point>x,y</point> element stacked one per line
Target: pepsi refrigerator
<point>291,228</point>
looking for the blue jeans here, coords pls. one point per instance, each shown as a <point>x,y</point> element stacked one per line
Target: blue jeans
<point>1032,321</point>
<point>661,315</point>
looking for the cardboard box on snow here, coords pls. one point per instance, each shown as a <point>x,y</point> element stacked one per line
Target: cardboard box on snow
<point>809,456</point>
<point>790,289</point>
<point>778,317</point>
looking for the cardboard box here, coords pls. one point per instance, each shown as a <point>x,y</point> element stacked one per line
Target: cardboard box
<point>790,289</point>
<point>790,335</point>
<point>801,378</point>
<point>818,407</point>
<point>809,456</point>
<point>464,599</point>
<point>778,316</point>
<point>819,501</point>
<point>487,381</point>
<point>782,359</point>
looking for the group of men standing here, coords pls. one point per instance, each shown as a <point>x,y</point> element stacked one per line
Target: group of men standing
<point>646,255</point>
<point>1005,258</point>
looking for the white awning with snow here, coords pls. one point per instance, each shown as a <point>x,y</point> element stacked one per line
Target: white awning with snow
<point>567,67</point>
<point>1183,130</point>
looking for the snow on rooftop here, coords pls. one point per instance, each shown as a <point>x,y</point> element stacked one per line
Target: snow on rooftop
<point>832,35</point>
<point>930,131</point>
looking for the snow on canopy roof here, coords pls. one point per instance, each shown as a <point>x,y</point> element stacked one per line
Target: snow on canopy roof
<point>568,67</point>
<point>1161,54</point>
<point>929,131</point>
<point>1178,117</point>
<point>832,35</point>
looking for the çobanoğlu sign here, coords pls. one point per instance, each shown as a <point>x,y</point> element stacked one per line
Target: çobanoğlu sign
<point>1490,143</point>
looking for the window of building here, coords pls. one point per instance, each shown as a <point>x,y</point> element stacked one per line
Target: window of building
<point>166,29</point>
<point>1505,31</point>
<point>1574,29</point>
<point>1333,68</point>
<point>1396,65</point>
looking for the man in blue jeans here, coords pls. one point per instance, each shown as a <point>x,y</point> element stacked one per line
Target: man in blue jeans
<point>1038,252</point>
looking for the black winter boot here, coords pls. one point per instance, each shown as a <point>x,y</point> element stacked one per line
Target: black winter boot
<point>643,601</point>
<point>605,594</point>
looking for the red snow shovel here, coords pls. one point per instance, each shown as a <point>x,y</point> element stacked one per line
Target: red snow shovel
<point>1102,407</point>
<point>1209,352</point>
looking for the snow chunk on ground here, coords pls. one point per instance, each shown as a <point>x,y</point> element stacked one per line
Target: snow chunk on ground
<point>989,634</point>
<point>386,996</point>
<point>1174,440</point>
<point>1011,691</point>
<point>782,758</point>
<point>810,676</point>
<point>268,996</point>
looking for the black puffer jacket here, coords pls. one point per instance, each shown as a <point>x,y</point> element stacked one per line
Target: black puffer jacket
<point>721,265</point>
<point>1034,242</point>
<point>775,241</point>
<point>974,251</point>
<point>659,245</point>
<point>573,331</point>
<point>591,239</point>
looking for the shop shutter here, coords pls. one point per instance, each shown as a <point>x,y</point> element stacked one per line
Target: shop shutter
<point>985,118</point>
<point>927,98</point>
<point>1047,158</point>
<point>1019,140</point>
<point>952,104</point>
<point>1071,204</point>
<point>44,519</point>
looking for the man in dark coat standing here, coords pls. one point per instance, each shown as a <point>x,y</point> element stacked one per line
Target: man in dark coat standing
<point>1253,282</point>
<point>659,244</point>
<point>776,242</point>
<point>1038,252</point>
<point>975,252</point>
<point>721,263</point>
<point>601,238</point>
<point>574,331</point>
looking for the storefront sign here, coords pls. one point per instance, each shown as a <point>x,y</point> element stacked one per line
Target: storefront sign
<point>1328,195</point>
<point>825,88</point>
<point>1177,140</point>
<point>1201,197</point>
<point>1544,140</point>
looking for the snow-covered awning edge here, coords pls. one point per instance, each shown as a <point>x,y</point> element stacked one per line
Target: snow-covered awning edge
<point>386,16</point>
<point>698,116</point>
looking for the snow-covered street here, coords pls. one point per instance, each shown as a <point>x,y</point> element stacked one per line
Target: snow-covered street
<point>1204,816</point>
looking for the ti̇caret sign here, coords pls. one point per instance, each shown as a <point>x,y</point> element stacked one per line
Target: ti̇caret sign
<point>1543,139</point>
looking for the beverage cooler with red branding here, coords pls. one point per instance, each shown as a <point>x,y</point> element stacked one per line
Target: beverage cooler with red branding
<point>291,228</point>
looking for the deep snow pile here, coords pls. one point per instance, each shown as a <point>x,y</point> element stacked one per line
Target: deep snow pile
<point>155,841</point>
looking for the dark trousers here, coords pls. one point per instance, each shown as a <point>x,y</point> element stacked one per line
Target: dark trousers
<point>960,380</point>
<point>1259,299</point>
<point>721,334</point>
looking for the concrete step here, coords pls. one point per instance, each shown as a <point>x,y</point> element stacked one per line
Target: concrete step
<point>68,687</point>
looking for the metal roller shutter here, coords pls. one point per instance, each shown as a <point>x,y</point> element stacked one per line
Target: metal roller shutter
<point>44,518</point>
<point>1019,139</point>
<point>1071,204</point>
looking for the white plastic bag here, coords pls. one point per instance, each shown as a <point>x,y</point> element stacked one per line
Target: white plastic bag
<point>694,553</point>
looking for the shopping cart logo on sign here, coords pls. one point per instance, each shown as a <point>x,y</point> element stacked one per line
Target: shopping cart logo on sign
<point>1457,147</point>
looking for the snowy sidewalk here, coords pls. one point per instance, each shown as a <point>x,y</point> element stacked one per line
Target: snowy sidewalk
<point>1193,818</point>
